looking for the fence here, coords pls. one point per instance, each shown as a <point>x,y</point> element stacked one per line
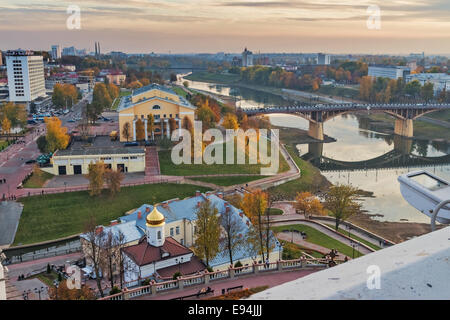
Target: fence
<point>206,278</point>
<point>28,193</point>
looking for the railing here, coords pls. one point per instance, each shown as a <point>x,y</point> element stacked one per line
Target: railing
<point>27,193</point>
<point>192,281</point>
<point>181,283</point>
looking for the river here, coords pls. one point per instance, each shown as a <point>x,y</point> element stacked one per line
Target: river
<point>356,144</point>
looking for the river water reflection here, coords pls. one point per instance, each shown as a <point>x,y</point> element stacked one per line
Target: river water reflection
<point>367,159</point>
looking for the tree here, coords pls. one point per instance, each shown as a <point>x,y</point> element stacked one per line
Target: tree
<point>308,204</point>
<point>109,254</point>
<point>64,94</point>
<point>413,88</point>
<point>96,177</point>
<point>57,137</point>
<point>42,144</point>
<point>140,130</point>
<point>173,77</point>
<point>172,125</point>
<point>206,245</point>
<point>94,237</point>
<point>233,229</point>
<point>185,84</point>
<point>126,130</point>
<point>427,91</point>
<point>151,125</point>
<point>188,125</point>
<point>341,200</point>
<point>113,180</point>
<point>254,206</point>
<point>16,114</point>
<point>62,292</point>
<point>230,122</point>
<point>6,126</point>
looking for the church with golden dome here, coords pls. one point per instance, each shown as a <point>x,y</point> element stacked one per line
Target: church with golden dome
<point>158,238</point>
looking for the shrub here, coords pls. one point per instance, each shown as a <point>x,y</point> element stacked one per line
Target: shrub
<point>238,264</point>
<point>146,282</point>
<point>114,290</point>
<point>209,269</point>
<point>176,275</point>
<point>48,268</point>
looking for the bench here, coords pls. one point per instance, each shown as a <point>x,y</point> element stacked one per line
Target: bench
<point>198,294</point>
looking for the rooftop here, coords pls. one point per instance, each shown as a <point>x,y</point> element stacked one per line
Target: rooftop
<point>100,145</point>
<point>414,269</point>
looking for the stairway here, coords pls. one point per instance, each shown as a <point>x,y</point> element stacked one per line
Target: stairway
<point>151,162</point>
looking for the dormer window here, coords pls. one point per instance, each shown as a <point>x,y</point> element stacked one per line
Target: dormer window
<point>156,107</point>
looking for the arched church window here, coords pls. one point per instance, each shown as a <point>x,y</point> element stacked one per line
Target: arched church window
<point>156,107</point>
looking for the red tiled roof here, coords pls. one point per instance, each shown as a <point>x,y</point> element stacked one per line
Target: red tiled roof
<point>143,253</point>
<point>193,266</point>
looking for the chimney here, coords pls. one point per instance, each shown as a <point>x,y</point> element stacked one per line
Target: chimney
<point>227,208</point>
<point>197,193</point>
<point>241,214</point>
<point>147,209</point>
<point>114,222</point>
<point>139,214</point>
<point>165,205</point>
<point>220,195</point>
<point>248,223</point>
<point>98,229</point>
<point>208,193</point>
<point>199,204</point>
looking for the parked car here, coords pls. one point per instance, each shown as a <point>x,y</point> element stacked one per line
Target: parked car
<point>131,144</point>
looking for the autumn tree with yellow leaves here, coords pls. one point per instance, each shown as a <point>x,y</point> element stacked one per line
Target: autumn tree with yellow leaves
<point>96,178</point>
<point>57,137</point>
<point>308,204</point>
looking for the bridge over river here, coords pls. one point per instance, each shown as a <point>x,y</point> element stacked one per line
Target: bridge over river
<point>399,157</point>
<point>404,114</point>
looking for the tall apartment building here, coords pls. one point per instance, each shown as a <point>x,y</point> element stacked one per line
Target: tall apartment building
<point>70,51</point>
<point>56,51</point>
<point>247,58</point>
<point>391,72</point>
<point>25,76</point>
<point>323,59</point>
<point>440,81</point>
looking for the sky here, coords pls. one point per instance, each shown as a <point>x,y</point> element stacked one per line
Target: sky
<point>192,26</point>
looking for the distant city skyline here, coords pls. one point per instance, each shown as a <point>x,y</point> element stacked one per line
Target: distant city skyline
<point>210,26</point>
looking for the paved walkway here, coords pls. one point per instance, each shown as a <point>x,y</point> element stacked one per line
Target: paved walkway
<point>15,288</point>
<point>10,212</point>
<point>289,213</point>
<point>271,279</point>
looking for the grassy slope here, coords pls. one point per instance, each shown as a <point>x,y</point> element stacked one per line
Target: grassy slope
<point>169,168</point>
<point>345,232</point>
<point>310,179</point>
<point>320,238</point>
<point>37,181</point>
<point>54,216</point>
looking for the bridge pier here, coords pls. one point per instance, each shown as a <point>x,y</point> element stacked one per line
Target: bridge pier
<point>404,127</point>
<point>316,130</point>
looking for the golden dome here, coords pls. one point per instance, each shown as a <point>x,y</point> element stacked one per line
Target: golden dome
<point>155,218</point>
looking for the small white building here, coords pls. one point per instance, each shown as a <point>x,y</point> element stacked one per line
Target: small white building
<point>157,254</point>
<point>391,72</point>
<point>247,58</point>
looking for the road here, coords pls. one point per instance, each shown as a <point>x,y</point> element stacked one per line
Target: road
<point>12,160</point>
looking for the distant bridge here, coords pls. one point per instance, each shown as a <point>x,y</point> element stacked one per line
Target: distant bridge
<point>404,114</point>
<point>399,157</point>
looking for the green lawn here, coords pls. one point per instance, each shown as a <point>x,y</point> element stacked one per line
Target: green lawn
<point>169,168</point>
<point>345,232</point>
<point>116,101</point>
<point>55,216</point>
<point>38,180</point>
<point>293,251</point>
<point>320,239</point>
<point>229,181</point>
<point>180,92</point>
<point>310,180</point>
<point>47,278</point>
<point>275,212</point>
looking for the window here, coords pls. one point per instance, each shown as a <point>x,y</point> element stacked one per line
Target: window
<point>182,243</point>
<point>156,107</point>
<point>171,231</point>
<point>165,116</point>
<point>159,235</point>
<point>170,115</point>
<point>178,230</point>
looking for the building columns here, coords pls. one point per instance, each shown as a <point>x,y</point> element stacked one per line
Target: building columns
<point>179,127</point>
<point>167,128</point>
<point>134,130</point>
<point>145,128</point>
